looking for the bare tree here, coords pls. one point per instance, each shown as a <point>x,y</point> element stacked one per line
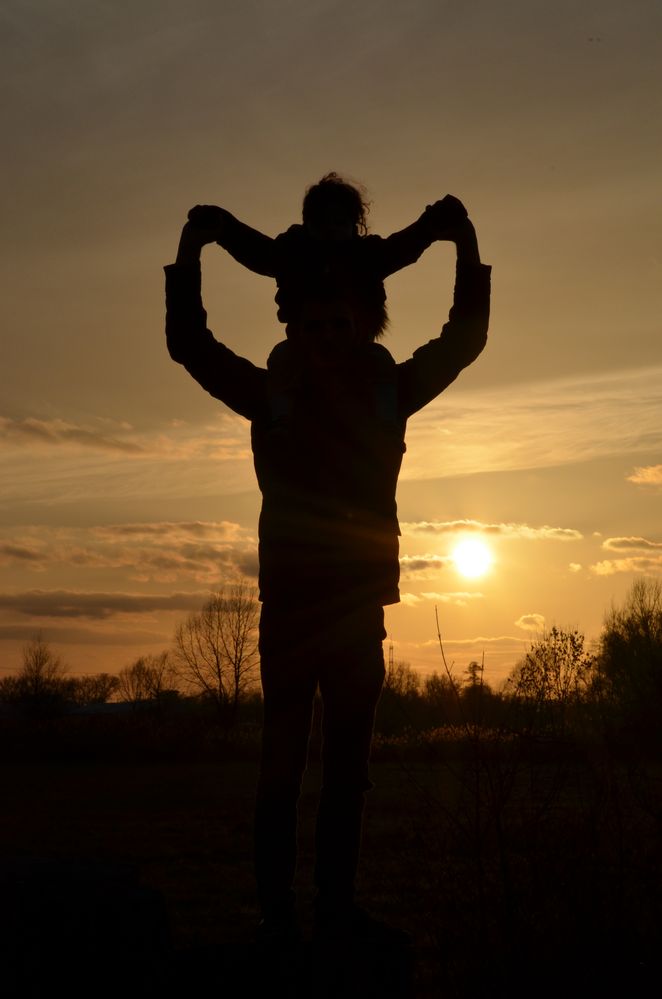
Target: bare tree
<point>96,688</point>
<point>402,679</point>
<point>42,672</point>
<point>40,683</point>
<point>147,679</point>
<point>216,649</point>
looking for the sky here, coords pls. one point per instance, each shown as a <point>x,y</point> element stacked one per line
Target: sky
<point>128,494</point>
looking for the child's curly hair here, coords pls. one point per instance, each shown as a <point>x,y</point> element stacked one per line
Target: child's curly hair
<point>334,192</point>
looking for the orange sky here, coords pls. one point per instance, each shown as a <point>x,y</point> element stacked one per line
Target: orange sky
<point>128,493</point>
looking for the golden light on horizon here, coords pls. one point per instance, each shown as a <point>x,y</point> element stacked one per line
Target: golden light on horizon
<point>472,558</point>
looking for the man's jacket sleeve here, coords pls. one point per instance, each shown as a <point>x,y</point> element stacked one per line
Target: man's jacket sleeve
<point>232,379</point>
<point>438,363</point>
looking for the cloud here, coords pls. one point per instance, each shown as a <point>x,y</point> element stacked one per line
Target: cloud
<point>410,599</point>
<point>422,565</point>
<point>32,431</point>
<point>160,551</point>
<point>507,530</point>
<point>493,640</point>
<point>556,422</point>
<point>646,475</point>
<point>82,636</point>
<point>202,562</point>
<point>574,566</point>
<point>457,599</point>
<point>630,544</point>
<point>225,529</point>
<point>21,553</point>
<point>530,622</point>
<point>99,606</point>
<point>84,464</point>
<point>637,563</point>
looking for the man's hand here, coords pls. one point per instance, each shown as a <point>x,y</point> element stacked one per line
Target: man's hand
<point>448,220</point>
<point>207,217</point>
<point>203,227</point>
<point>444,217</point>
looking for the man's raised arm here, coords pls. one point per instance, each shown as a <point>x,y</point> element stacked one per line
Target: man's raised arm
<point>232,379</point>
<point>436,364</point>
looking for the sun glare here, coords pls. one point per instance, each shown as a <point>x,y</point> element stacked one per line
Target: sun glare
<point>472,558</point>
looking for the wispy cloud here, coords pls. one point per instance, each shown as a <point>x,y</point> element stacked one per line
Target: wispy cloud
<point>459,599</point>
<point>110,460</point>
<point>162,552</point>
<point>48,433</point>
<point>98,606</point>
<point>21,553</point>
<point>556,422</point>
<point>224,529</point>
<point>507,530</point>
<point>646,475</point>
<point>225,439</point>
<point>423,566</point>
<point>637,563</point>
<point>630,544</point>
<point>456,599</point>
<point>129,637</point>
<point>410,599</point>
<point>485,640</point>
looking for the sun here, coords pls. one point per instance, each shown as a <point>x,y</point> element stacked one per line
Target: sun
<point>472,558</point>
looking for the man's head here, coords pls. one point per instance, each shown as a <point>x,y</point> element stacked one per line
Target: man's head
<point>343,316</point>
<point>326,331</point>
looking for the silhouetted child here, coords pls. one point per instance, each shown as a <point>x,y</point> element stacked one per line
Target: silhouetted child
<point>332,244</point>
<point>331,249</point>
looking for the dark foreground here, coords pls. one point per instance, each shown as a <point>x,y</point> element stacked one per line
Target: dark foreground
<point>518,875</point>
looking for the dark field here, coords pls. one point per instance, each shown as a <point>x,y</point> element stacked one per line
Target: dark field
<point>517,870</point>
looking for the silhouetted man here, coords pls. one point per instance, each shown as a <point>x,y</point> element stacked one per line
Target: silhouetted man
<point>328,547</point>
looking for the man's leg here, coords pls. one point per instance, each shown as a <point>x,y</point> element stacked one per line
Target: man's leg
<point>288,686</point>
<point>350,682</point>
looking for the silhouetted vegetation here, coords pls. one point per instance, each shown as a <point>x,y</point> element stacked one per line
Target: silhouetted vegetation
<point>630,665</point>
<point>518,834</point>
<point>148,679</point>
<point>215,650</point>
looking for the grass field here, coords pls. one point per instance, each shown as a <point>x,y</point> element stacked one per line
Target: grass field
<point>518,874</point>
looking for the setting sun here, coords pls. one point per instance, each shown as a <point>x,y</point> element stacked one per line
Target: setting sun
<point>472,558</point>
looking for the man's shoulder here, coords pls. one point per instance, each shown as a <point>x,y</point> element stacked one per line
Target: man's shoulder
<point>379,353</point>
<point>294,235</point>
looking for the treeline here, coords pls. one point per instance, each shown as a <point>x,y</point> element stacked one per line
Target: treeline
<point>560,686</point>
<point>213,660</point>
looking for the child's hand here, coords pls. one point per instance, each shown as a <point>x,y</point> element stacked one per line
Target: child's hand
<point>445,217</point>
<point>208,217</point>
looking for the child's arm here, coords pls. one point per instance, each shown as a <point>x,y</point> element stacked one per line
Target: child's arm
<point>248,246</point>
<point>405,247</point>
